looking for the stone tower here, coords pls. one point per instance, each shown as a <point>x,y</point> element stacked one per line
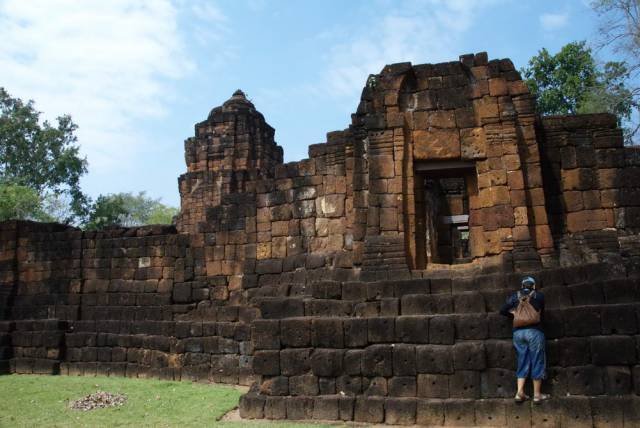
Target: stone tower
<point>233,146</point>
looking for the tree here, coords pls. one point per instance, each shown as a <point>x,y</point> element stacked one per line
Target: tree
<point>620,31</point>
<point>20,202</point>
<point>127,210</point>
<point>572,82</point>
<point>39,156</point>
<point>620,28</point>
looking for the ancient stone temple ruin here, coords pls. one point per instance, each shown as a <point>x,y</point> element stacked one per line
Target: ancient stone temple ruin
<point>362,283</point>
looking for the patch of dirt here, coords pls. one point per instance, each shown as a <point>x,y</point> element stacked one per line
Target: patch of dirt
<point>98,400</point>
<point>232,415</point>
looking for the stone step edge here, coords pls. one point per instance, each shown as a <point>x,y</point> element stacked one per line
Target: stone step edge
<point>447,314</point>
<point>506,290</point>
<point>557,411</point>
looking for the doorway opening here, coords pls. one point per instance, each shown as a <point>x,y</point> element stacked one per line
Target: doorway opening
<point>442,212</point>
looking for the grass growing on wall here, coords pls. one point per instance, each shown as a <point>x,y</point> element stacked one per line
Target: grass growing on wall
<point>43,401</point>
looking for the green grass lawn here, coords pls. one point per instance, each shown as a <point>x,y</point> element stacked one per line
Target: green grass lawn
<point>42,401</point>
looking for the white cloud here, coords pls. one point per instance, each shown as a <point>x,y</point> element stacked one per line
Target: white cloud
<point>553,21</point>
<point>108,64</point>
<point>414,30</point>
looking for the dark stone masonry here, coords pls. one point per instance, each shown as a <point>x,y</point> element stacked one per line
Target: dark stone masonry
<point>362,283</point>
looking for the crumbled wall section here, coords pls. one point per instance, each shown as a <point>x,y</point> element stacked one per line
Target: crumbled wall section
<point>307,280</point>
<point>592,184</point>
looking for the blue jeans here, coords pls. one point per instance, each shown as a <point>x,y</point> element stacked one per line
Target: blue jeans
<point>529,344</point>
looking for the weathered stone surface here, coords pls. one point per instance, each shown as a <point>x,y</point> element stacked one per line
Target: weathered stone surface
<point>314,281</point>
<point>436,144</point>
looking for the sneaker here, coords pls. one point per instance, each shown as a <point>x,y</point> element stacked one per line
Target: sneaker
<point>539,399</point>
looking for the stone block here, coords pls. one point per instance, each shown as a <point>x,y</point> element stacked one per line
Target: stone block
<point>404,360</point>
<point>568,352</point>
<point>375,386</point>
<point>472,143</point>
<point>275,408</point>
<point>275,386</point>
<point>620,291</point>
<point>617,380</point>
<point>295,333</point>
<point>415,304</point>
<point>400,411</point>
<point>346,408</point>
<point>381,166</point>
<point>619,319</point>
<point>327,333</point>
<point>436,144</point>
<point>326,408</point>
<point>295,361</point>
<point>441,330</point>
<point>252,406</point>
<point>430,412</point>
<point>434,359</point>
<point>266,363</point>
<point>326,290</point>
<point>460,413</point>
<point>349,385</point>
<point>330,206</point>
<point>412,329</point>
<point>581,321</point>
<point>497,383</point>
<point>303,385</point>
<point>613,350</point>
<point>381,329</point>
<point>266,334</point>
<point>491,413</point>
<point>469,356</point>
<point>465,384</point>
<point>402,386</point>
<point>267,266</point>
<point>299,408</point>
<point>378,361</point>
<point>355,332</point>
<point>327,362</point>
<point>587,220</point>
<point>469,302</point>
<point>553,323</point>
<point>500,354</point>
<point>589,293</point>
<point>369,410</point>
<point>607,412</point>
<point>380,290</point>
<point>471,327</point>
<point>352,363</point>
<point>585,380</point>
<point>327,385</point>
<point>433,386</point>
<point>276,308</point>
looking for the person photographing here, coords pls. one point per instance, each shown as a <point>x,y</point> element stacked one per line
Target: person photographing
<point>526,307</point>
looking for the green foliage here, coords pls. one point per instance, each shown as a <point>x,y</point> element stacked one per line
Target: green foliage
<point>162,214</point>
<point>21,202</point>
<point>37,155</point>
<point>572,82</point>
<point>127,210</point>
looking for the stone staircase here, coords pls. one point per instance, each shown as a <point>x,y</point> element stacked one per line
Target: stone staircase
<point>435,351</point>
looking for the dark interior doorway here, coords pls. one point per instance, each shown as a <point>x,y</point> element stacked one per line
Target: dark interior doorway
<point>442,212</point>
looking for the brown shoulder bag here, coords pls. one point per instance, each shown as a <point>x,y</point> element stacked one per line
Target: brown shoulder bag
<point>525,314</point>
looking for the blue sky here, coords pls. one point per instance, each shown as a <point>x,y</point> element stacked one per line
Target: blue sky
<point>137,75</point>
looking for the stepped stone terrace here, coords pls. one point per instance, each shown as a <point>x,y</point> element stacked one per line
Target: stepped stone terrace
<point>362,283</point>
